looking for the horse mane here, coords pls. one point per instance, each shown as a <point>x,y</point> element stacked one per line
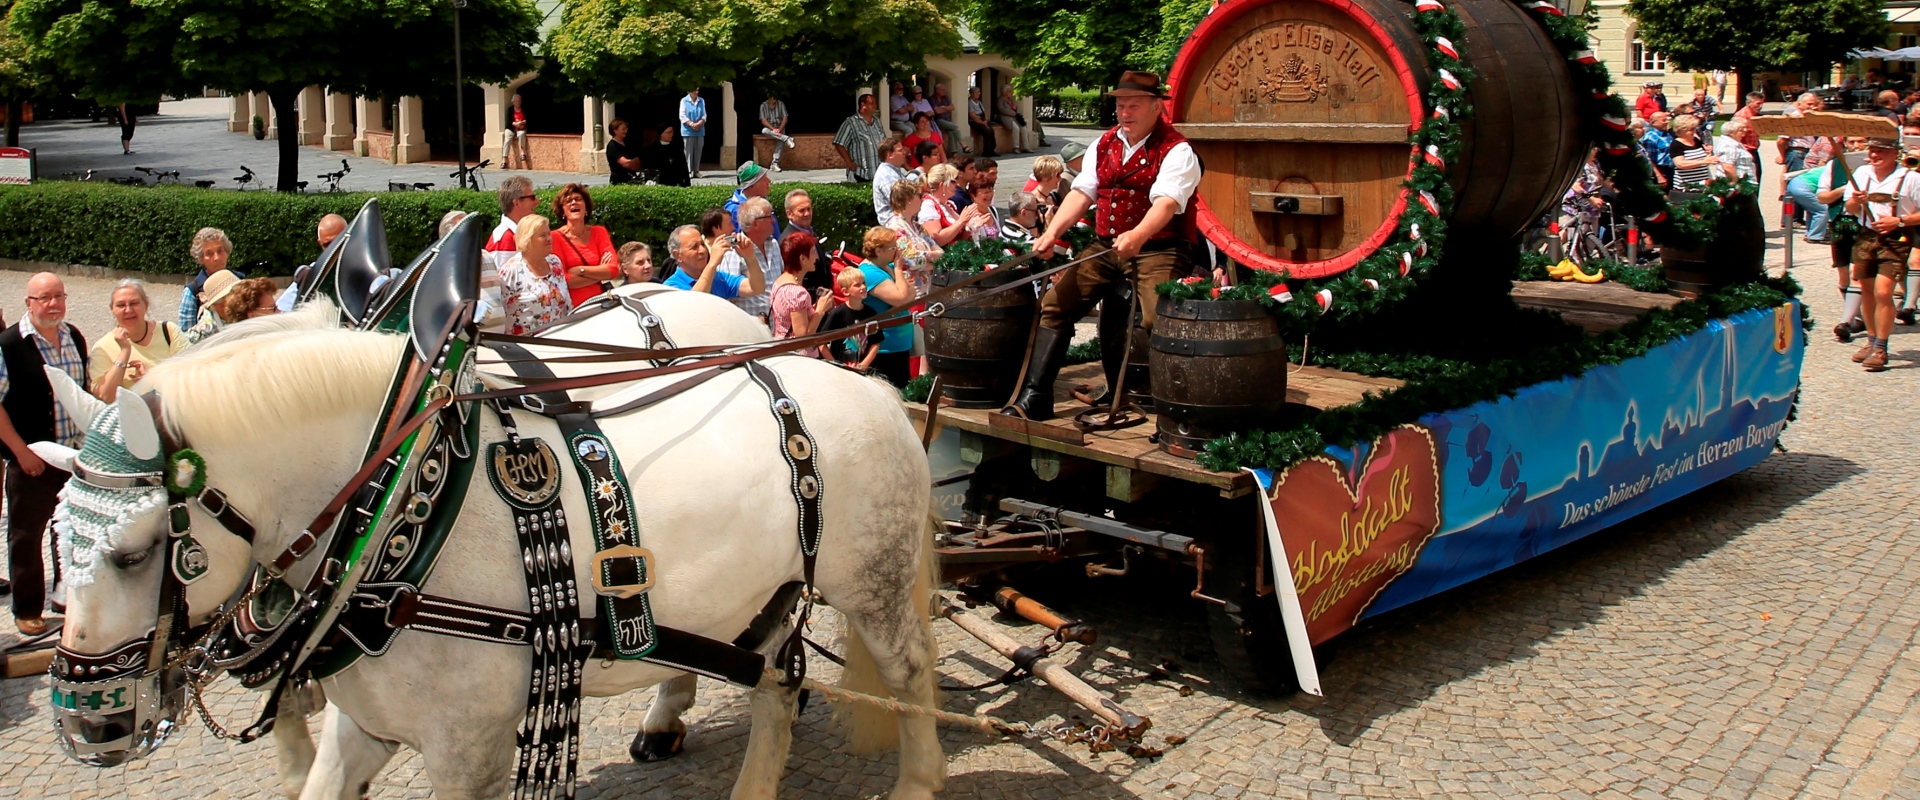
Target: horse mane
<point>265,376</point>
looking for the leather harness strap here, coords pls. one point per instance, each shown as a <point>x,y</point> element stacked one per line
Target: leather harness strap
<point>664,646</point>
<point>797,446</point>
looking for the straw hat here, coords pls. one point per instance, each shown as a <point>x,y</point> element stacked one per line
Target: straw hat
<point>218,285</point>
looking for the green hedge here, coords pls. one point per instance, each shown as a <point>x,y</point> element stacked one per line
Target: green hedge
<point>148,229</point>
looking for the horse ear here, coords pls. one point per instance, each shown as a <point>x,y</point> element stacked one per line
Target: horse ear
<point>57,455</point>
<point>137,425</point>
<point>74,398</point>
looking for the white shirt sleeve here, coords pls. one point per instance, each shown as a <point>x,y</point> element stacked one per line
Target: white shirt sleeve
<point>1087,182</point>
<point>684,119</point>
<point>1179,176</point>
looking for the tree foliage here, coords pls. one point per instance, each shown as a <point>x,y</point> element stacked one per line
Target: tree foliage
<point>620,49</point>
<point>114,51</point>
<point>1084,43</point>
<point>1759,35</point>
<point>134,50</point>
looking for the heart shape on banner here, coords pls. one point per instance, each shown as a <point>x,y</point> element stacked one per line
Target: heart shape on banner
<point>1348,537</point>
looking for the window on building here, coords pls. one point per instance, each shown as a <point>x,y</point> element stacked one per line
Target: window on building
<point>1641,58</point>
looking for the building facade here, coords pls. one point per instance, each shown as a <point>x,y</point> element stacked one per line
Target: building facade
<point>570,135</point>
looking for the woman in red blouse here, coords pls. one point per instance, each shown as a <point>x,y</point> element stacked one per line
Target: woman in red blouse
<point>586,251</point>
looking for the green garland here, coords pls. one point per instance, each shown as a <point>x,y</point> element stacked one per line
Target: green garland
<point>1604,117</point>
<point>1438,384</point>
<point>970,256</point>
<point>1651,278</point>
<point>1385,278</point>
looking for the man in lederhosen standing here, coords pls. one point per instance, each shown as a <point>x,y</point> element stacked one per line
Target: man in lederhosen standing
<point>1139,178</point>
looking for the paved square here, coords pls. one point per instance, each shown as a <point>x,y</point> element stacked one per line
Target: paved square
<point>1755,639</point>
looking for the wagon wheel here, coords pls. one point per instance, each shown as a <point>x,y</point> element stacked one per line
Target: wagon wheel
<point>1247,633</point>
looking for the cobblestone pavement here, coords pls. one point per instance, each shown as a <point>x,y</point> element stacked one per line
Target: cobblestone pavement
<point>191,136</point>
<point>1755,639</point>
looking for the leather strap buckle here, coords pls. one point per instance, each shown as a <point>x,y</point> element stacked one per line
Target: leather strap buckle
<point>642,570</point>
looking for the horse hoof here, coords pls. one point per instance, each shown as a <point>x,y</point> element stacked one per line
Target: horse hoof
<point>656,746</point>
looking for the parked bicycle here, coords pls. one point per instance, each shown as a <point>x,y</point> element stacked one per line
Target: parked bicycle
<point>469,177</point>
<point>86,176</point>
<point>246,179</point>
<point>403,186</point>
<point>161,177</point>
<point>333,178</point>
<point>1585,237</point>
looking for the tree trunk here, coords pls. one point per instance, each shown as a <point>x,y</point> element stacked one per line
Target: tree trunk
<point>1743,83</point>
<point>747,97</point>
<point>14,109</point>
<point>286,110</point>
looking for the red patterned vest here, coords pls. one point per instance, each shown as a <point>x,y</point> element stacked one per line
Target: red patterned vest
<point>1122,197</point>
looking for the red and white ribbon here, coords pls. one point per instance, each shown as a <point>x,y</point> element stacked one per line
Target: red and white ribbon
<point>1447,80</point>
<point>1325,298</point>
<point>1372,284</point>
<point>1406,263</point>
<point>1545,7</point>
<point>1613,122</point>
<point>1428,5</point>
<point>1433,156</point>
<point>1432,205</point>
<point>1586,57</point>
<point>1445,45</point>
<point>1279,292</point>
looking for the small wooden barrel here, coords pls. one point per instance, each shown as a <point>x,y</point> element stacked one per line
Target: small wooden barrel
<point>1217,367</point>
<point>977,349</point>
<point>1735,255</point>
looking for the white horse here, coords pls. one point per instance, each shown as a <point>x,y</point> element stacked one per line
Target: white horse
<point>688,320</point>
<point>281,419</point>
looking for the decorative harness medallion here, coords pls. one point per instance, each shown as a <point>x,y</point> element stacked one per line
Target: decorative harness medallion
<point>525,472</point>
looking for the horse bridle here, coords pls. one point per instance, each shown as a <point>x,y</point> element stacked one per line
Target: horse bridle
<point>146,677</point>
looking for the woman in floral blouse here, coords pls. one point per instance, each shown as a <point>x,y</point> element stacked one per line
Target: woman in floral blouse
<point>917,250</point>
<point>533,286</point>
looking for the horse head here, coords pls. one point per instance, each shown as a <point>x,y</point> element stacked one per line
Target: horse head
<point>177,499</point>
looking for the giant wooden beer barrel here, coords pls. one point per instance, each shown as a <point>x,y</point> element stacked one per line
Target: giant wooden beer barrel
<point>1300,111</point>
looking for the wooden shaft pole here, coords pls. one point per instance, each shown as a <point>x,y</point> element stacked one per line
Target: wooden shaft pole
<point>1055,675</point>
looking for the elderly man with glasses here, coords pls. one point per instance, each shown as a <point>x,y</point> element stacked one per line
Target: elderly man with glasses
<point>29,413</point>
<point>516,199</point>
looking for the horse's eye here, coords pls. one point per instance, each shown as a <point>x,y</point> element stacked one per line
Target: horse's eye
<point>133,559</point>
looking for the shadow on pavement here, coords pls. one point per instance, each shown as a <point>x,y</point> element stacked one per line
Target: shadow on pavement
<point>1153,637</point>
<point>1398,660</point>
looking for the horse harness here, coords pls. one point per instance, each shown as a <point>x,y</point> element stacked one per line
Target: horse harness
<point>384,530</point>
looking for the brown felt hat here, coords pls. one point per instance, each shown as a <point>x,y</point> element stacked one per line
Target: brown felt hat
<point>1138,84</point>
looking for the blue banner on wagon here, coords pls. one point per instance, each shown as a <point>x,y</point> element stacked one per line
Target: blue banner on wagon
<point>1359,531</point>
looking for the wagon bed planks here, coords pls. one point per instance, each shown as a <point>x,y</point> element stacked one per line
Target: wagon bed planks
<point>1317,387</point>
<point>1595,307</point>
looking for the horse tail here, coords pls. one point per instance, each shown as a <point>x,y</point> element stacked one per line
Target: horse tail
<point>869,728</point>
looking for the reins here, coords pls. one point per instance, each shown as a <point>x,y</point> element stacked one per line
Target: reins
<point>305,542</point>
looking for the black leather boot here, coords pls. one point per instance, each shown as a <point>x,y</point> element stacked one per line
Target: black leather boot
<point>1036,395</point>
